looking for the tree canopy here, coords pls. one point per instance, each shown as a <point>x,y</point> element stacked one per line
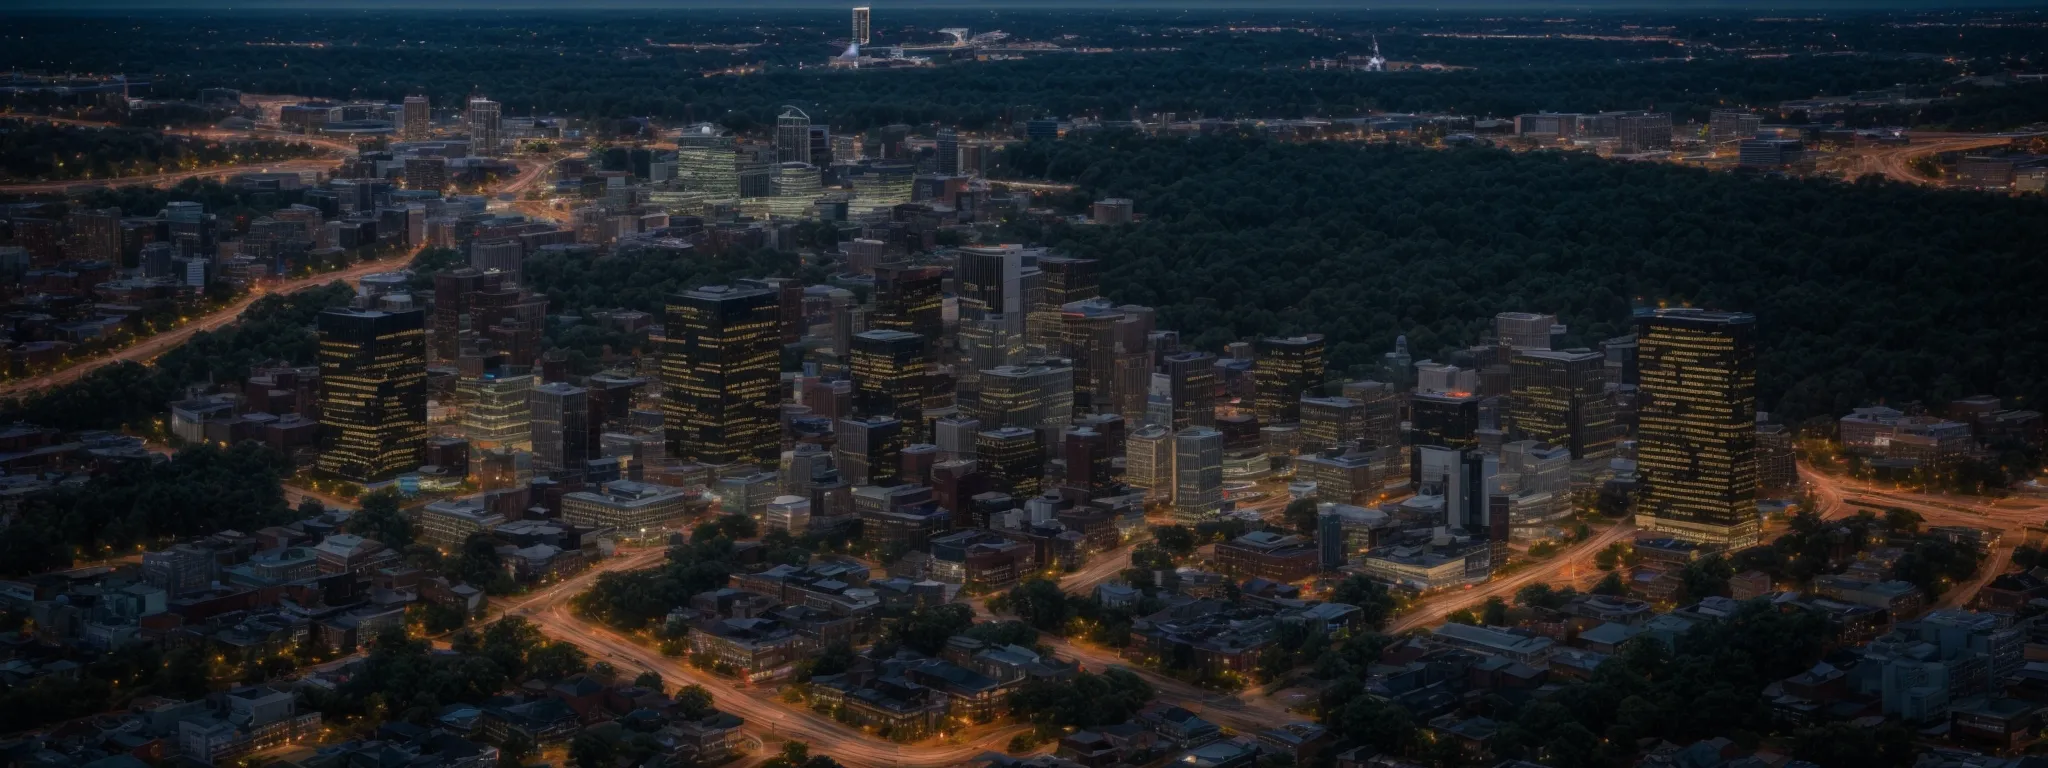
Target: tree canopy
<point>1855,303</point>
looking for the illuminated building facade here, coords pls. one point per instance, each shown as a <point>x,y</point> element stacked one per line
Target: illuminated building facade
<point>793,136</point>
<point>484,127</point>
<point>1560,398</point>
<point>1447,419</point>
<point>1696,444</point>
<point>627,506</point>
<point>721,375</point>
<point>1288,369</point>
<point>909,299</point>
<point>1107,344</point>
<point>373,392</point>
<point>990,282</point>
<point>706,162</point>
<point>1197,475</point>
<point>860,25</point>
<point>1148,462</point>
<point>1013,459</point>
<point>418,117</point>
<point>1063,280</point>
<point>883,185</point>
<point>797,187</point>
<point>869,451</point>
<point>497,409</point>
<point>891,374</point>
<point>1330,421</point>
<point>1028,396</point>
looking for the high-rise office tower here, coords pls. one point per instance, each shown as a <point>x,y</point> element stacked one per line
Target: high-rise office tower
<point>497,406</point>
<point>1087,334</point>
<point>1445,419</point>
<point>983,345</point>
<point>418,117</point>
<point>1063,281</point>
<point>792,136</point>
<point>789,304</point>
<point>484,127</point>
<point>990,281</point>
<point>507,319</point>
<point>1192,386</point>
<point>1087,456</point>
<point>1622,354</point>
<point>1148,462</point>
<point>561,428</point>
<point>796,188</point>
<point>1330,546</point>
<point>1327,422</point>
<point>1288,368</point>
<point>1466,479</point>
<point>909,299</point>
<point>373,392</point>
<point>860,25</point>
<point>869,451</point>
<point>821,146</point>
<point>1383,404</point>
<point>1777,470</point>
<point>709,164</point>
<point>1560,398</point>
<point>721,375</point>
<point>1197,474</point>
<point>1526,330</point>
<point>949,152</point>
<point>1696,443</point>
<point>1027,396</point>
<point>1014,460</point>
<point>891,375</point>
<point>452,288</point>
<point>955,437</point>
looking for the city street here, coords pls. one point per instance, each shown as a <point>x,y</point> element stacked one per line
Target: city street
<point>1895,162</point>
<point>2011,519</point>
<point>766,715</point>
<point>145,350</point>
<point>1573,560</point>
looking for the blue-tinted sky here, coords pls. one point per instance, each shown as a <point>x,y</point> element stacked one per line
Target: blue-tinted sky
<point>1246,5</point>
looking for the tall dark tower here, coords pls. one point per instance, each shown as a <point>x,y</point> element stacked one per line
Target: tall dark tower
<point>373,392</point>
<point>1696,443</point>
<point>721,375</point>
<point>1288,368</point>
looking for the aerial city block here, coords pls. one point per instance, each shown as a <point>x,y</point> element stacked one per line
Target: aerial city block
<point>1023,385</point>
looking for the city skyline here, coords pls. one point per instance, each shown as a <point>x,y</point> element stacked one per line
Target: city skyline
<point>1023,386</point>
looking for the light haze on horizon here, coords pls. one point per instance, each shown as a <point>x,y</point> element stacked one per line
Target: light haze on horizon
<point>1691,6</point>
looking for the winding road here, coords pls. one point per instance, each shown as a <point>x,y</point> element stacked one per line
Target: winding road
<point>147,349</point>
<point>2012,519</point>
<point>765,714</point>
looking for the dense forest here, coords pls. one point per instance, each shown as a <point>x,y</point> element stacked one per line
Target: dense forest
<point>1864,292</point>
<point>1707,683</point>
<point>36,151</point>
<point>200,490</point>
<point>619,65</point>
